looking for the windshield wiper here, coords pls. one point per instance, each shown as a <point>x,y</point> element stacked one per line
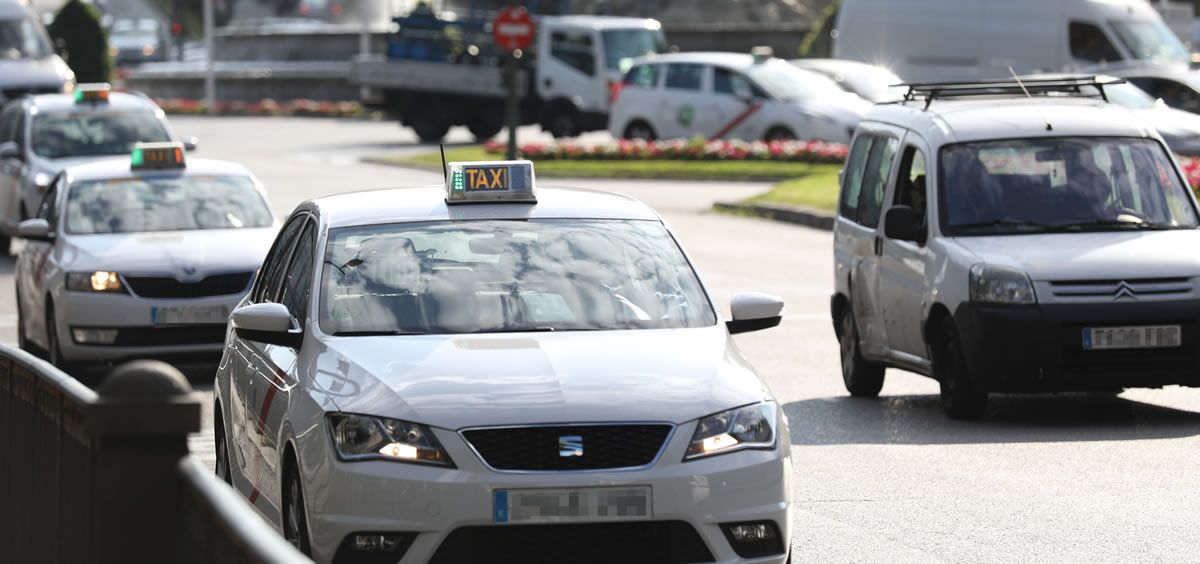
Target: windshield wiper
<point>1004,221</point>
<point>538,329</point>
<point>376,333</point>
<point>1114,223</point>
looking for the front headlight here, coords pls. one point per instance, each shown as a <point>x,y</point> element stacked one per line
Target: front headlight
<point>751,426</point>
<point>999,285</point>
<point>361,437</point>
<point>100,281</point>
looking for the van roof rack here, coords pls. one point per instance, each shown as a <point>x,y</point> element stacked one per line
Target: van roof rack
<point>1071,86</point>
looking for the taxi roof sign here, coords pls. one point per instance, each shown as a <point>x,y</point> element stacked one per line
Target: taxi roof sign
<point>157,156</point>
<point>490,182</point>
<point>92,93</point>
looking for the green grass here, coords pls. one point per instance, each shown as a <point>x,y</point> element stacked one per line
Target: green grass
<point>652,169</point>
<point>818,190</point>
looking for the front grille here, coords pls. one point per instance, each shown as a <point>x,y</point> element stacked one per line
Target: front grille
<point>169,336</point>
<point>537,448</point>
<point>164,287</point>
<point>657,542</point>
<point>1116,290</point>
<point>1077,361</point>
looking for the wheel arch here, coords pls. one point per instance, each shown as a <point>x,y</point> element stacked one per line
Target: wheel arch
<point>939,315</point>
<point>838,305</point>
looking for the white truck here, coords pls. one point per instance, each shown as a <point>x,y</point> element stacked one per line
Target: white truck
<point>440,73</point>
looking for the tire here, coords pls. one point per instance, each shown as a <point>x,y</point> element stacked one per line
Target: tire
<point>483,129</point>
<point>780,134</point>
<point>960,400</point>
<point>863,378</point>
<point>53,351</point>
<point>430,128</point>
<point>295,518</point>
<point>640,130</point>
<point>561,120</point>
<point>222,449</point>
<point>22,339</point>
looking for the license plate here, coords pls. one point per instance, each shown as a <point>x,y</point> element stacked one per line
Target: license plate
<point>189,315</point>
<point>568,505</point>
<point>1150,337</point>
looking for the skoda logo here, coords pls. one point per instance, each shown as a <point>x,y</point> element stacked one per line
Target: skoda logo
<point>570,445</point>
<point>189,270</point>
<point>1124,291</point>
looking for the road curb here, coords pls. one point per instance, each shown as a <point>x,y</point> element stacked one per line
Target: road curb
<point>795,215</point>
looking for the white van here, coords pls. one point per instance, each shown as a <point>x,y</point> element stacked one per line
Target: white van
<point>925,40</point>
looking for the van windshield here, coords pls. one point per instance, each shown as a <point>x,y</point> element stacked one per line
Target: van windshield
<point>1061,185</point>
<point>1150,40</point>
<point>22,39</point>
<point>622,46</point>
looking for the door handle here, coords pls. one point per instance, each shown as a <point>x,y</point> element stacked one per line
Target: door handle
<point>878,246</point>
<point>548,83</point>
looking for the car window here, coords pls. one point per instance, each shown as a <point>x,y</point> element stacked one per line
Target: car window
<point>1088,43</point>
<point>574,49</point>
<point>681,76</point>
<point>874,184</point>
<point>58,135</point>
<point>48,209</point>
<point>22,38</point>
<point>490,276</point>
<point>1172,93</point>
<point>165,203</point>
<point>852,176</point>
<point>1061,184</point>
<point>297,285</point>
<point>642,76</point>
<point>8,123</point>
<point>19,132</point>
<point>910,187</point>
<point>733,83</point>
<point>1150,40</point>
<point>272,270</point>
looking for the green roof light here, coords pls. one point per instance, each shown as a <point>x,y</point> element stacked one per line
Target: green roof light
<point>138,158</point>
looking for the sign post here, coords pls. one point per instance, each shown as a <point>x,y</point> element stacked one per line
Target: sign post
<point>513,31</point>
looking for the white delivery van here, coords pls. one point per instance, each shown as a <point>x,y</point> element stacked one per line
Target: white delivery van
<point>924,40</point>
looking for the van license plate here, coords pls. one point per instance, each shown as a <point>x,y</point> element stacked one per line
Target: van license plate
<point>1150,337</point>
<point>630,503</point>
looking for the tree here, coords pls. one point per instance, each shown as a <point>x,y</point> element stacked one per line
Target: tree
<point>76,28</point>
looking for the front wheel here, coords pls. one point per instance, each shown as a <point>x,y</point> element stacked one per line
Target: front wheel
<point>863,378</point>
<point>780,134</point>
<point>53,349</point>
<point>295,518</point>
<point>640,130</point>
<point>960,400</point>
<point>222,448</point>
<point>430,128</point>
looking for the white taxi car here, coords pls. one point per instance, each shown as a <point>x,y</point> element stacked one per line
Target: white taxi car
<point>419,374</point>
<point>143,256</point>
<point>730,96</point>
<point>999,243</point>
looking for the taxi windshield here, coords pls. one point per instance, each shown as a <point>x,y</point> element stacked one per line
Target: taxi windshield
<point>174,203</point>
<point>508,276</point>
<point>87,134</point>
<point>1061,184</point>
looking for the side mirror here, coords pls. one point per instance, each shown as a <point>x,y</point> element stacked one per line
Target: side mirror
<point>900,224</point>
<point>36,229</point>
<point>753,311</point>
<point>191,144</point>
<point>42,181</point>
<point>9,150</point>
<point>267,323</point>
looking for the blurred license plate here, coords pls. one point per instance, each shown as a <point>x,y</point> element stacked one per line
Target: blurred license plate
<point>189,315</point>
<point>578,504</point>
<point>1150,337</point>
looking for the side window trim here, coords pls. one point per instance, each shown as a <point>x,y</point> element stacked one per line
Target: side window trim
<point>883,140</point>
<point>310,226</point>
<point>258,293</point>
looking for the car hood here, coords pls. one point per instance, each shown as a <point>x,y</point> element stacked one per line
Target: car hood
<point>458,381</point>
<point>27,73</point>
<point>1171,123</point>
<point>210,251</point>
<point>1092,256</point>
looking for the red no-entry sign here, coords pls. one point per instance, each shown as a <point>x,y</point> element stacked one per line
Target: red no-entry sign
<point>512,28</point>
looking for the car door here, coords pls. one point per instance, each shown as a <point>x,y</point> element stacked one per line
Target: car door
<point>571,72</point>
<point>243,401</point>
<point>37,265</point>
<point>274,366</point>
<point>736,106</point>
<point>857,239</point>
<point>681,101</point>
<point>12,169</point>
<point>904,265</point>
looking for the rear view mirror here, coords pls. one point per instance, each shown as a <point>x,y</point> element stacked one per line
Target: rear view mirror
<point>753,311</point>
<point>901,224</point>
<point>36,229</point>
<point>9,150</point>
<point>268,323</point>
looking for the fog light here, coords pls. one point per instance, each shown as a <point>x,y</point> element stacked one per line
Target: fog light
<point>754,539</point>
<point>747,533</point>
<point>94,336</point>
<point>375,542</point>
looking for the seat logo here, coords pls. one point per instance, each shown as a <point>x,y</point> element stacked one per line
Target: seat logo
<point>570,445</point>
<point>1124,291</point>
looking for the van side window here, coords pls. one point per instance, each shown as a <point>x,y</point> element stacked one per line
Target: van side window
<point>642,76</point>
<point>910,183</point>
<point>684,76</point>
<point>879,167</point>
<point>1088,43</point>
<point>852,177</point>
<point>574,50</point>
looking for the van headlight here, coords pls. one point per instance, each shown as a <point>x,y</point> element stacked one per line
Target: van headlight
<point>750,426</point>
<point>999,285</point>
<point>361,437</point>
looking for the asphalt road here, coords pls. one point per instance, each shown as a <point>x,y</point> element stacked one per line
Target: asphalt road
<point>1054,478</point>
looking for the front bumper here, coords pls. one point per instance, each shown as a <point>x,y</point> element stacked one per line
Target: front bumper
<point>456,505</point>
<point>1040,348</point>
<point>137,334</point>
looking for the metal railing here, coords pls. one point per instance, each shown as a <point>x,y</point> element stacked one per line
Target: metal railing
<point>106,476</point>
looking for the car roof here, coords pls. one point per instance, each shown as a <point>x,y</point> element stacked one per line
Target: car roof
<point>986,118</point>
<point>406,205</point>
<point>605,22</point>
<point>838,65</point>
<point>117,101</point>
<point>736,60</point>
<point>11,9</point>
<point>119,167</point>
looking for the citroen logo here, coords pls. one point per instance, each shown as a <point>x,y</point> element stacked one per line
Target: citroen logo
<point>1124,291</point>
<point>570,445</point>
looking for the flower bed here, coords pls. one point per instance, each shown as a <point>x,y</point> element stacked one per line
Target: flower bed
<point>681,149</point>
<point>1191,169</point>
<point>267,107</point>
